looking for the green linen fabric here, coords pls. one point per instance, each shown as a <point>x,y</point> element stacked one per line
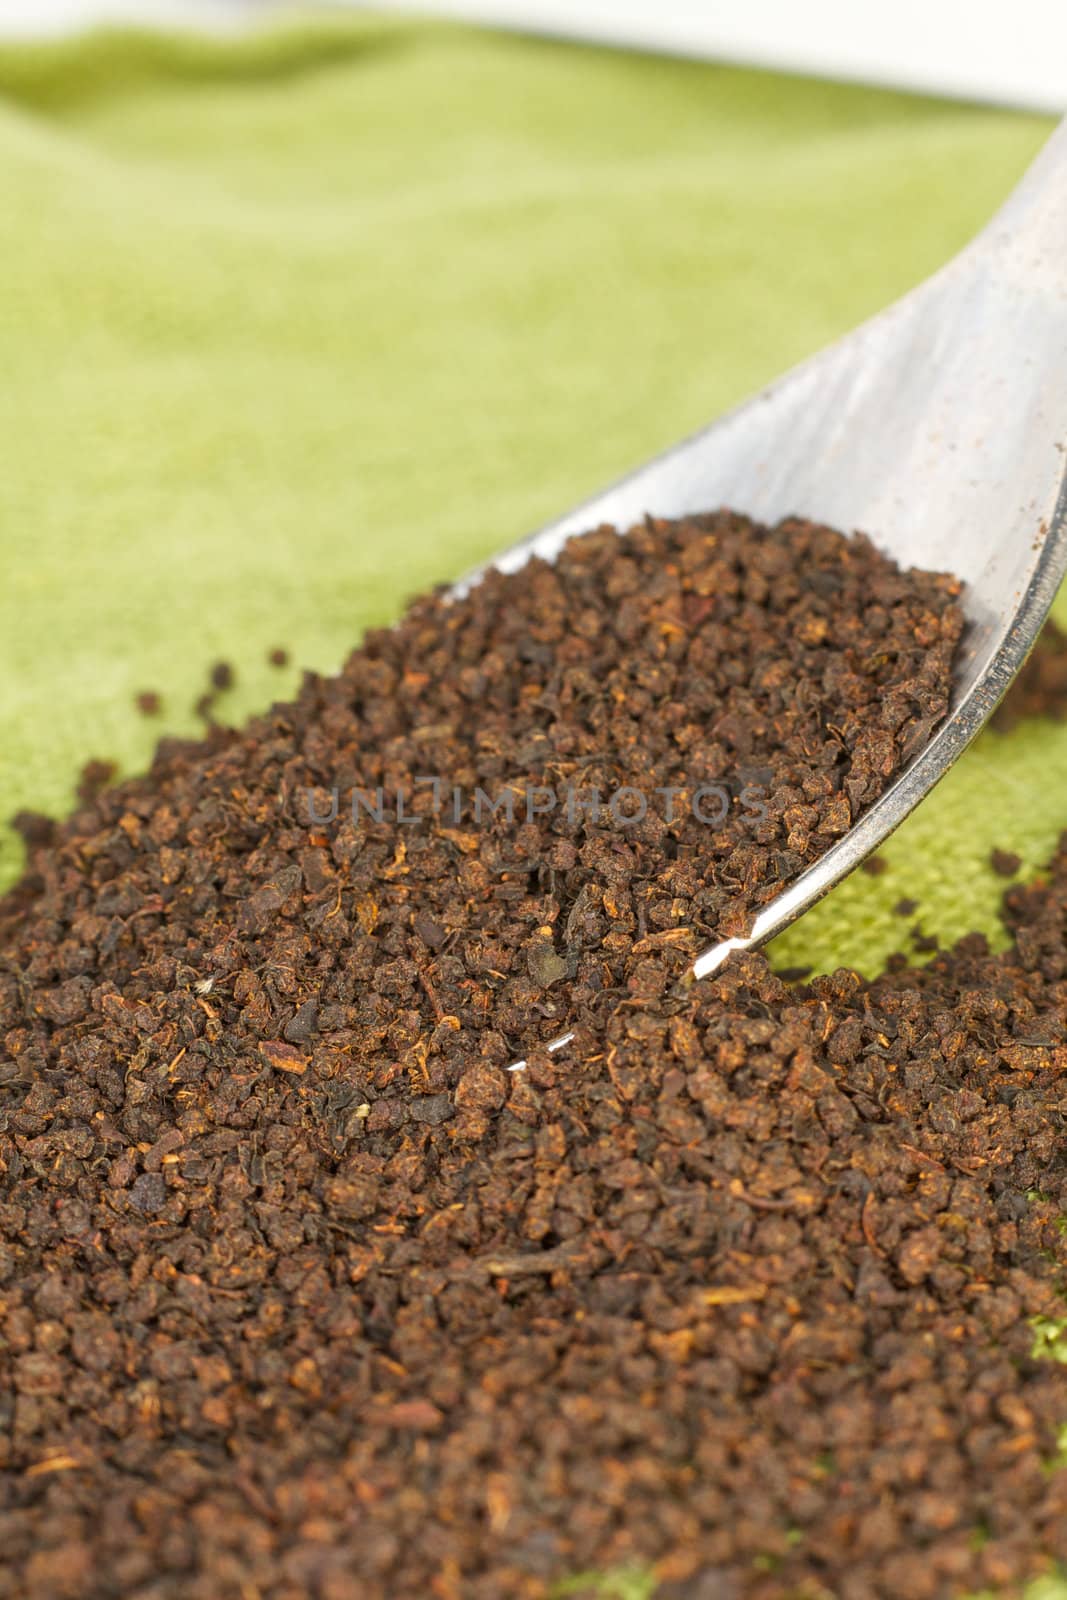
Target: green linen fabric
<point>294,325</point>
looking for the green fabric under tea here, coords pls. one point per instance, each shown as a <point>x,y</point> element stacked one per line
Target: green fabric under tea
<point>294,326</point>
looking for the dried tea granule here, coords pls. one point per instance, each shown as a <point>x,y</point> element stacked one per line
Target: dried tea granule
<point>302,1292</point>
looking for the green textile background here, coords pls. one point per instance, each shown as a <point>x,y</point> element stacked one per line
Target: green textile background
<point>292,326</point>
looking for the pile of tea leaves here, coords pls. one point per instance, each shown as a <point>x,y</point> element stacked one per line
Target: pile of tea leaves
<point>754,1289</point>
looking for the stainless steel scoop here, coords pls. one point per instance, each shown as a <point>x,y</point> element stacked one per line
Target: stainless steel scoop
<point>940,429</point>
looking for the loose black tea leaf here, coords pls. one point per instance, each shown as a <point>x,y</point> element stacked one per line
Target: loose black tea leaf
<point>303,1293</point>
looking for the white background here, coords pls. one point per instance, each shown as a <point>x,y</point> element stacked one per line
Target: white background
<point>1012,51</point>
<point>29,18</point>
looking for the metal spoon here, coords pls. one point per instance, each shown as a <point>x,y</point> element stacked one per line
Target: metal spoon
<point>940,429</point>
